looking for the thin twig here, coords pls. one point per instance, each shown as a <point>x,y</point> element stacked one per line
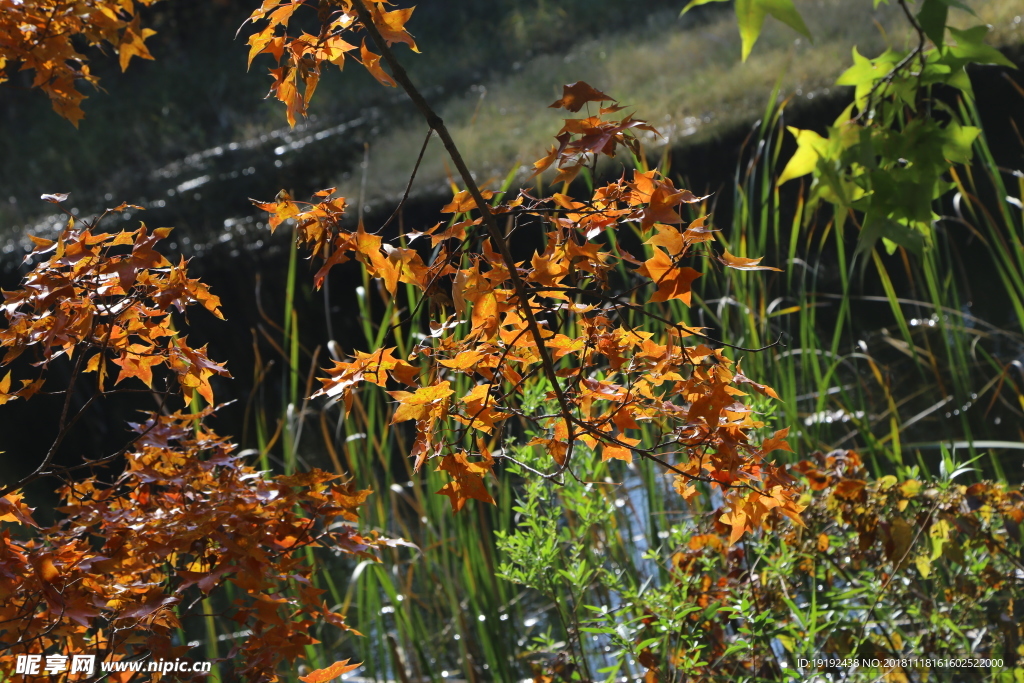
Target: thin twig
<point>412,177</point>
<point>902,64</point>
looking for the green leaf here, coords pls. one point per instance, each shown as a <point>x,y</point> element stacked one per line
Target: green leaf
<point>932,18</point>
<point>711,610</point>
<point>924,565</point>
<point>960,80</point>
<point>958,142</point>
<point>866,149</point>
<point>865,72</point>
<point>750,16</point>
<point>784,11</point>
<point>958,5</point>
<point>694,3</point>
<point>883,227</point>
<point>970,47</point>
<point>805,159</point>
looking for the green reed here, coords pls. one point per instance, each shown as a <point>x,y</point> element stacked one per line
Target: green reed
<point>853,368</point>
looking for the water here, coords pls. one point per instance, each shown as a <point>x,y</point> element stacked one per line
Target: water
<point>205,195</point>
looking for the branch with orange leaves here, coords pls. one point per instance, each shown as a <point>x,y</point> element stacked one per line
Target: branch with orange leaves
<point>528,327</point>
<point>42,35</point>
<point>437,124</point>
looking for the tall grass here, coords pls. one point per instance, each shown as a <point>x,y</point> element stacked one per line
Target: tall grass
<point>878,352</point>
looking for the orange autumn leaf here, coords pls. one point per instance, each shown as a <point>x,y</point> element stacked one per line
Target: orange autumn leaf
<point>5,389</point>
<point>429,401</point>
<point>741,263</point>
<point>850,489</point>
<point>259,41</point>
<point>777,442</point>
<point>285,89</point>
<point>47,38</point>
<point>12,509</point>
<point>576,95</point>
<point>465,362</point>
<point>133,43</point>
<point>480,328</point>
<point>138,365</point>
<point>672,281</point>
<point>464,202</point>
<point>668,238</point>
<point>371,61</point>
<point>738,521</point>
<point>392,25</point>
<point>556,343</point>
<point>329,673</point>
<point>480,411</point>
<point>467,480</point>
<point>614,451</point>
<point>46,570</point>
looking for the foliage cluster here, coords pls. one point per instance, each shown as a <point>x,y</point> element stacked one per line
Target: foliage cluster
<point>883,570</point>
<point>129,560</point>
<point>41,36</point>
<point>570,370</point>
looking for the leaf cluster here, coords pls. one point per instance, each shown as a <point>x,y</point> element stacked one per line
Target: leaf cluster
<point>41,36</point>
<point>128,562</point>
<point>888,156</point>
<point>889,568</point>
